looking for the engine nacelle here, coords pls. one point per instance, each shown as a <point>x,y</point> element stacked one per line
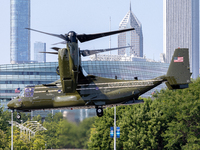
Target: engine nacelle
<point>68,76</point>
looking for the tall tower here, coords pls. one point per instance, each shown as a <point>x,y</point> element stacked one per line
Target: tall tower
<point>181,29</point>
<point>132,38</point>
<point>19,36</point>
<point>39,47</point>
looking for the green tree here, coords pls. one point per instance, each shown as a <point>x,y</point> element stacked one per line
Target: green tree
<point>37,118</point>
<point>170,121</point>
<point>3,140</point>
<point>67,135</point>
<point>51,135</point>
<point>184,130</point>
<point>21,141</point>
<point>3,120</point>
<point>58,117</point>
<point>63,134</point>
<point>4,130</point>
<point>38,142</point>
<point>100,137</point>
<point>84,131</point>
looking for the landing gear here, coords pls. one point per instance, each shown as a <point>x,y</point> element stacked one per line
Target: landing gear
<point>18,116</point>
<point>99,111</point>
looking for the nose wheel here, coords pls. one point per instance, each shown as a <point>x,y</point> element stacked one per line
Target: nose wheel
<point>99,111</point>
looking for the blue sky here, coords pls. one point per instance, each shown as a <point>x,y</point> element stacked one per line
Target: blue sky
<point>88,16</point>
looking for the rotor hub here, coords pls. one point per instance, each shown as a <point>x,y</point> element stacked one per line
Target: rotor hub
<point>72,36</point>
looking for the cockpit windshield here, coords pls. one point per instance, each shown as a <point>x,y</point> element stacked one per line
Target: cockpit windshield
<point>28,91</point>
<point>21,94</point>
<point>84,72</point>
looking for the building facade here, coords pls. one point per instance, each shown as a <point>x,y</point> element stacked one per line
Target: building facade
<point>19,36</point>
<point>181,29</point>
<point>39,47</point>
<point>132,38</point>
<point>14,77</point>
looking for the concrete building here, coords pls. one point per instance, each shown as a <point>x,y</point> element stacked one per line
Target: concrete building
<point>132,38</point>
<point>181,29</point>
<point>19,36</point>
<point>39,47</point>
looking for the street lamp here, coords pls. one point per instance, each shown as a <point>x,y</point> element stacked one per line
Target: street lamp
<point>115,127</point>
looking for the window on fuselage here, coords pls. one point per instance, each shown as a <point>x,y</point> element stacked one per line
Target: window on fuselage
<point>21,93</point>
<point>28,92</point>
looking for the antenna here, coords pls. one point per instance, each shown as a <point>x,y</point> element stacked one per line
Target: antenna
<point>110,36</point>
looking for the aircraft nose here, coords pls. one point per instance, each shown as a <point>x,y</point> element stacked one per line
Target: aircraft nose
<point>15,103</point>
<point>10,104</point>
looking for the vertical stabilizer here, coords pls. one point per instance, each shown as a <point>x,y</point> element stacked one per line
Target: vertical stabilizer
<point>178,74</point>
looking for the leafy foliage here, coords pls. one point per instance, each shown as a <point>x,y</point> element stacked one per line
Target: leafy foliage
<point>170,121</point>
<point>59,134</point>
<point>63,134</point>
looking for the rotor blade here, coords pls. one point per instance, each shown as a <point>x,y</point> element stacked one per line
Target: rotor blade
<point>63,42</point>
<point>91,52</point>
<point>88,37</point>
<point>55,48</point>
<point>56,35</point>
<point>49,52</point>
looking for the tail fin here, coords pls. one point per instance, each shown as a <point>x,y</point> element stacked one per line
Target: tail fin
<point>178,74</point>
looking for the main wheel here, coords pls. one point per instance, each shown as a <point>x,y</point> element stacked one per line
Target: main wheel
<point>99,112</point>
<point>18,116</point>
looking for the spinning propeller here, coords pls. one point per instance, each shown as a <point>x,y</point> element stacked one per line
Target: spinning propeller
<point>88,52</point>
<point>73,37</point>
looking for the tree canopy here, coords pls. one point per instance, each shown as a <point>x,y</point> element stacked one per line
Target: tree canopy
<point>60,133</point>
<point>169,121</point>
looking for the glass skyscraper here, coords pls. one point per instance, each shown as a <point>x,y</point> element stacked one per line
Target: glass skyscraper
<point>39,47</point>
<point>181,29</point>
<point>19,36</point>
<point>132,38</point>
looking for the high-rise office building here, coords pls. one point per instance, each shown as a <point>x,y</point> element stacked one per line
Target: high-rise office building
<point>132,38</point>
<point>39,47</point>
<point>19,36</point>
<point>181,29</point>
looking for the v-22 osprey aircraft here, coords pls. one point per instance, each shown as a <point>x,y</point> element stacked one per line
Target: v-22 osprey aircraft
<point>76,89</point>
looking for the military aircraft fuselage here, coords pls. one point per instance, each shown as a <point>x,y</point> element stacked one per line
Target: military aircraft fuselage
<point>93,90</point>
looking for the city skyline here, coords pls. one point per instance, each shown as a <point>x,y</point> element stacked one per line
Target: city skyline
<point>85,20</point>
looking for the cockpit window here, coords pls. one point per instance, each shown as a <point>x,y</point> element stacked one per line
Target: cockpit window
<point>21,93</point>
<point>84,72</point>
<point>28,92</point>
